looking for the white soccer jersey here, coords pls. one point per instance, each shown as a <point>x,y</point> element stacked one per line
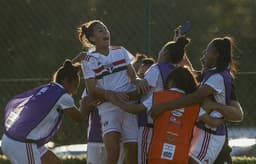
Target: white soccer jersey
<point>154,79</point>
<point>216,82</point>
<point>110,71</point>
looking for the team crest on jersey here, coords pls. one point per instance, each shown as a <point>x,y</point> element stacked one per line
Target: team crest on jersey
<point>109,67</point>
<point>170,138</point>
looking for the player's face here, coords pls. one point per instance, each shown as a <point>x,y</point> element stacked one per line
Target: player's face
<point>101,36</point>
<point>210,56</point>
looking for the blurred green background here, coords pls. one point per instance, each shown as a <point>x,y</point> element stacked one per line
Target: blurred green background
<point>37,35</point>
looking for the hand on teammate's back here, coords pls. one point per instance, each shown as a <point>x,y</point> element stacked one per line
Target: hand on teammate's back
<point>142,86</point>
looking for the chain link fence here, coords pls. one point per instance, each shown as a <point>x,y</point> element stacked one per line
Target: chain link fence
<point>37,35</point>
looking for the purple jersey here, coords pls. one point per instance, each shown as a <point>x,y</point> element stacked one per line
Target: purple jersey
<point>227,81</point>
<point>221,130</point>
<point>26,110</point>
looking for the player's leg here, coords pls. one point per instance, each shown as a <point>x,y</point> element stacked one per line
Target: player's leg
<point>111,127</point>
<point>205,147</point>
<point>130,138</point>
<point>112,146</point>
<point>131,152</point>
<point>20,152</point>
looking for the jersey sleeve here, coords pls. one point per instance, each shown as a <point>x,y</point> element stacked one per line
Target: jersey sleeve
<point>152,76</point>
<point>87,67</point>
<point>128,56</point>
<point>66,101</point>
<point>216,82</point>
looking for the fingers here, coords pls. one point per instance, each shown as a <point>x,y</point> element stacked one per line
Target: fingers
<point>142,86</point>
<point>177,33</point>
<point>144,89</point>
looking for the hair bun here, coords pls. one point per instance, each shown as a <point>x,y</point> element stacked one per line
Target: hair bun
<point>67,65</point>
<point>228,41</point>
<point>182,41</point>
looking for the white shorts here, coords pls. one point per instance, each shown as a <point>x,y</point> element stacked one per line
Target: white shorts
<point>22,153</point>
<point>144,139</point>
<point>96,153</point>
<point>119,121</point>
<point>205,147</point>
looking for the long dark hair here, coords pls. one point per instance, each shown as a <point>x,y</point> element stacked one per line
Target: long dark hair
<point>224,47</point>
<point>183,79</point>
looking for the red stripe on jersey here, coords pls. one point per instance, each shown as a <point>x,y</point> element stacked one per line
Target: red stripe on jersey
<point>98,70</point>
<point>101,68</point>
<point>119,62</point>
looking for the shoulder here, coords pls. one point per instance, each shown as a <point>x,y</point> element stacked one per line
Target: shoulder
<point>80,57</point>
<point>116,47</point>
<point>215,77</point>
<point>90,57</point>
<point>152,73</point>
<point>216,82</point>
<point>66,97</point>
<point>66,101</point>
<point>121,51</point>
<point>153,69</point>
<point>117,50</point>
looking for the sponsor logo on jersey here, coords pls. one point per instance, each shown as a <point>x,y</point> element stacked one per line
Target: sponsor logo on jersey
<point>174,120</point>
